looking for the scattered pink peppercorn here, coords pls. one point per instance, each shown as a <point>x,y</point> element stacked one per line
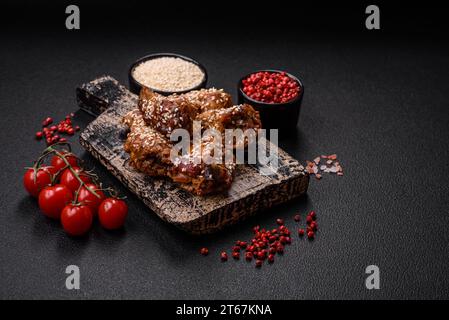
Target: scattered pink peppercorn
<point>283,239</point>
<point>47,121</point>
<point>204,251</point>
<point>266,243</point>
<point>297,218</point>
<point>261,255</point>
<point>310,235</point>
<point>280,249</point>
<point>313,215</point>
<point>224,256</point>
<point>50,133</point>
<point>280,222</point>
<point>309,219</point>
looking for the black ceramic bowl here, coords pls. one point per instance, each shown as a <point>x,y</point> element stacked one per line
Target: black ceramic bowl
<point>275,115</point>
<point>135,85</point>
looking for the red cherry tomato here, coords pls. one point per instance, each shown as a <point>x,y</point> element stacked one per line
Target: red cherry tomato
<point>76,219</point>
<point>57,163</point>
<point>112,213</point>
<point>53,199</point>
<point>35,181</point>
<point>87,198</point>
<point>70,181</point>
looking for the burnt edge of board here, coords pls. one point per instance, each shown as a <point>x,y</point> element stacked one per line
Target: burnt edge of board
<point>96,96</point>
<point>105,93</point>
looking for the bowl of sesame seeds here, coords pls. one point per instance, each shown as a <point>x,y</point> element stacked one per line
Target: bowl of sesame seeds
<point>167,73</point>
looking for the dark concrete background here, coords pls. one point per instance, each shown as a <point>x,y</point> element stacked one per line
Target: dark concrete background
<point>378,100</point>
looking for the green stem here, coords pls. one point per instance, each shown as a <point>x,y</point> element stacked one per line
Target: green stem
<point>82,184</point>
<point>49,150</point>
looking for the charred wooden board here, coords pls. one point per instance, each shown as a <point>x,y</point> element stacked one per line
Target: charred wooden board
<point>251,192</point>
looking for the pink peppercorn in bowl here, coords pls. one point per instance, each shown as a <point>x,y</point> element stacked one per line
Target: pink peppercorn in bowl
<point>277,95</point>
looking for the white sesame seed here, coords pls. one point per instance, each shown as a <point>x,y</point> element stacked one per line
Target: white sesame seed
<point>168,74</point>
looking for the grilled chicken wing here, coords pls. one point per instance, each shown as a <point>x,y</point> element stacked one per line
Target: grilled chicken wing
<point>150,153</point>
<point>157,116</point>
<point>149,150</point>
<point>201,171</point>
<point>166,114</point>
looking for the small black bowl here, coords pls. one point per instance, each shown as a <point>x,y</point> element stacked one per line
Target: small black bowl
<point>135,86</point>
<point>275,115</point>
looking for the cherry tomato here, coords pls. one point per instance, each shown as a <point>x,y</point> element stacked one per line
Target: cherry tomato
<point>112,213</point>
<point>53,199</point>
<point>87,198</point>
<point>34,183</point>
<point>76,219</point>
<point>70,181</point>
<point>57,163</point>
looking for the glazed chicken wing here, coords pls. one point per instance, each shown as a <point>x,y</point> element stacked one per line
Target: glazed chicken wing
<point>201,170</point>
<point>151,125</point>
<point>149,151</point>
<point>166,114</point>
<point>237,117</point>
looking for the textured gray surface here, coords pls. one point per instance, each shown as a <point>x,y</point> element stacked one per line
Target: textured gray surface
<point>381,104</point>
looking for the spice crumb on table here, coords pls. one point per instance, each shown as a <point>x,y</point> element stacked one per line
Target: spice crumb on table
<point>324,164</point>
